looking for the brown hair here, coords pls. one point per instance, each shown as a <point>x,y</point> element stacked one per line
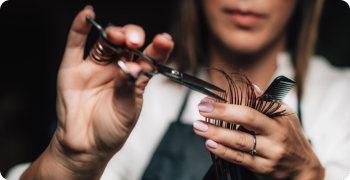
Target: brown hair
<point>189,25</point>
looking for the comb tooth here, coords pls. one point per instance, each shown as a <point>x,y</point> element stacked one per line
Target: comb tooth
<point>284,85</point>
<point>281,89</point>
<point>280,92</point>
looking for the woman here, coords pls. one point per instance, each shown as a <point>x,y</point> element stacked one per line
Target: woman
<point>98,107</point>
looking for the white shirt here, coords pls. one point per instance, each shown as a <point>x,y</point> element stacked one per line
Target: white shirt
<point>325,111</point>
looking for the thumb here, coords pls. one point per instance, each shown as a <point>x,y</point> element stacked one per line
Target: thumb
<point>124,91</point>
<point>78,32</point>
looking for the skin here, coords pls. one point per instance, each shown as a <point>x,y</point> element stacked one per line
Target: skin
<point>98,107</point>
<point>283,150</point>
<point>252,48</point>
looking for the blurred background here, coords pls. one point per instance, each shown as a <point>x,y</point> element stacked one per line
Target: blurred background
<point>32,38</point>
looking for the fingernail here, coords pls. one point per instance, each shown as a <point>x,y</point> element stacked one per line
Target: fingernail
<point>212,144</point>
<point>200,126</point>
<point>134,38</point>
<point>207,100</point>
<point>120,29</point>
<point>89,7</point>
<point>257,89</point>
<point>168,36</point>
<point>205,107</point>
<point>136,73</point>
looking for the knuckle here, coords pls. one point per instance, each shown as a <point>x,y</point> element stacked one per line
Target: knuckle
<point>239,158</point>
<point>283,136</point>
<point>268,169</point>
<point>223,153</point>
<point>220,109</point>
<point>241,140</point>
<point>251,115</point>
<point>214,132</point>
<point>280,152</point>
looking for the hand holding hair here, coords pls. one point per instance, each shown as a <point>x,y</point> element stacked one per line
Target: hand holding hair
<point>279,148</point>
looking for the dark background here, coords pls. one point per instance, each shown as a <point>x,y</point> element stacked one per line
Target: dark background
<point>33,35</point>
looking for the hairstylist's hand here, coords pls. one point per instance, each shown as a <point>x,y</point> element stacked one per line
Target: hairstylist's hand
<point>97,105</point>
<point>283,152</point>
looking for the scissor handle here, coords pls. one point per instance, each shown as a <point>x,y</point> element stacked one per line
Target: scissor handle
<point>116,48</point>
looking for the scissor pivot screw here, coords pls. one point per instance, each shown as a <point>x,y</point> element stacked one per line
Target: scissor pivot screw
<point>175,72</point>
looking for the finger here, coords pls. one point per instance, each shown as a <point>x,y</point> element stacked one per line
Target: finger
<point>248,117</point>
<point>116,34</point>
<point>159,50</point>
<point>235,156</point>
<point>135,36</point>
<point>74,51</point>
<point>124,91</point>
<point>234,139</point>
<point>293,119</point>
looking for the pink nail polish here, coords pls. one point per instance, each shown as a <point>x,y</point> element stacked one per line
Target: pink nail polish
<point>136,74</point>
<point>212,144</point>
<point>257,89</point>
<point>207,100</point>
<point>168,36</point>
<point>134,37</point>
<point>205,107</point>
<point>89,7</point>
<point>200,126</point>
<point>120,29</point>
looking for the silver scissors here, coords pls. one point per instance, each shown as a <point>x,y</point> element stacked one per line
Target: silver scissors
<point>173,74</point>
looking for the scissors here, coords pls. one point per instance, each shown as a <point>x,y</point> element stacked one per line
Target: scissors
<point>173,74</point>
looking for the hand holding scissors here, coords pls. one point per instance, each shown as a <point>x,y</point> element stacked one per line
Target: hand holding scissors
<point>97,104</point>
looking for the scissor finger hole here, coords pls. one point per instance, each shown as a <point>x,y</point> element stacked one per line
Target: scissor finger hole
<point>122,66</point>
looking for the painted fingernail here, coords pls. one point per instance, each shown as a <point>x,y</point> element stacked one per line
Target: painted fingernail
<point>212,144</point>
<point>257,89</point>
<point>168,36</point>
<point>120,29</point>
<point>136,73</point>
<point>134,37</point>
<point>89,7</point>
<point>205,107</point>
<point>200,126</point>
<point>207,100</point>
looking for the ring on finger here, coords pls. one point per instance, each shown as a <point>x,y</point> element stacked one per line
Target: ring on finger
<point>253,151</point>
<point>101,54</point>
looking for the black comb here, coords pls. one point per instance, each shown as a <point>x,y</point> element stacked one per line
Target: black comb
<point>278,89</point>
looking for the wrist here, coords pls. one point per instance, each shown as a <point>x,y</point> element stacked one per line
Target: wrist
<point>57,164</point>
<point>313,172</point>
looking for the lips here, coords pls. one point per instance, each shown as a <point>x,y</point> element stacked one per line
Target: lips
<point>244,18</point>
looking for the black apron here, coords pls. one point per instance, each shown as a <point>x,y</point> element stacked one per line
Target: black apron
<point>182,155</point>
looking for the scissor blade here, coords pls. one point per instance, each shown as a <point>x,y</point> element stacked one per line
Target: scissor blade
<point>183,77</point>
<point>199,89</point>
<point>193,80</point>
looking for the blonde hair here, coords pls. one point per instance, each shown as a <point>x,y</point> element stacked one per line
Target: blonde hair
<point>189,25</point>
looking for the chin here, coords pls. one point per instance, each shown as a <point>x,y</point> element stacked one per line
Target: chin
<point>244,44</point>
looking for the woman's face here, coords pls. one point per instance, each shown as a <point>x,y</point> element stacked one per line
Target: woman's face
<point>247,26</point>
